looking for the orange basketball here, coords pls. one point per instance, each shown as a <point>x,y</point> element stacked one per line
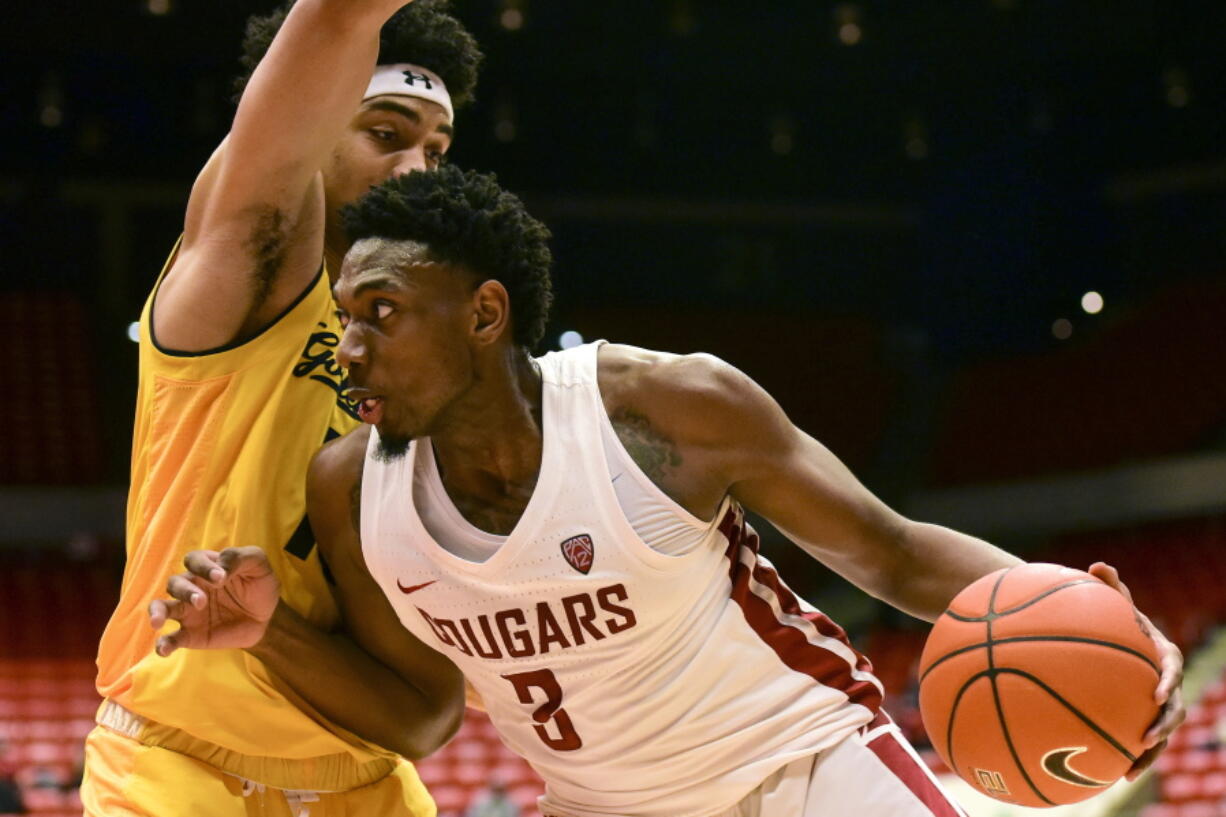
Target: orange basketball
<point>1037,685</point>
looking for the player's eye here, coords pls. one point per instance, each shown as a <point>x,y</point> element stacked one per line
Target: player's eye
<point>382,309</point>
<point>384,134</point>
<point>342,318</point>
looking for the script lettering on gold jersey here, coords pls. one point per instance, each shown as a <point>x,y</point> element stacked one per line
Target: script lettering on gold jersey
<point>319,363</point>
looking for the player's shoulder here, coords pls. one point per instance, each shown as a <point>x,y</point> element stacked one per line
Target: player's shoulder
<point>695,395</point>
<point>635,373</point>
<point>339,463</point>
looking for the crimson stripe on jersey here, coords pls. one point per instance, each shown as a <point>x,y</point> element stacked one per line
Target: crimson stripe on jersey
<point>915,777</point>
<point>788,642</point>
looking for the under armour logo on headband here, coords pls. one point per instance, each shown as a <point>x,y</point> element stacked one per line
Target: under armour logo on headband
<point>411,79</point>
<point>407,79</point>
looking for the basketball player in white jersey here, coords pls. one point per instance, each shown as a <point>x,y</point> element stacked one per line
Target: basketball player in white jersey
<point>570,531</point>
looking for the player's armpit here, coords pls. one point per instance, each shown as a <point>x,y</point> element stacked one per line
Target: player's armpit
<point>228,280</point>
<point>473,698</point>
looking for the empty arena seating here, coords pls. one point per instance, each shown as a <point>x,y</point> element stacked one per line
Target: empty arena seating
<point>1114,398</point>
<point>1174,569</point>
<point>1192,771</point>
<point>46,709</point>
<point>458,773</point>
<point>50,358</point>
<point>52,611</point>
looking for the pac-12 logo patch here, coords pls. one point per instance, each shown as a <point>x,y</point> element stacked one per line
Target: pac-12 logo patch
<point>579,551</point>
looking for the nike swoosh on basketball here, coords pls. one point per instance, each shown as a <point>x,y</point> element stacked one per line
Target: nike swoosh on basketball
<point>414,588</point>
<point>1056,764</point>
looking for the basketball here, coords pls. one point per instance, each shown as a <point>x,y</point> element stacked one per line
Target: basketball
<point>1036,685</point>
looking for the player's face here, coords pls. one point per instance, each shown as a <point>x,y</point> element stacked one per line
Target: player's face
<point>389,135</point>
<point>407,325</point>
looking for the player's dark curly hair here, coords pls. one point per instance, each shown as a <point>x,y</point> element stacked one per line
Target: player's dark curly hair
<point>423,33</point>
<point>466,219</point>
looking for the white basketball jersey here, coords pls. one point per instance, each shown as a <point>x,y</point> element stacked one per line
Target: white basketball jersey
<point>637,684</point>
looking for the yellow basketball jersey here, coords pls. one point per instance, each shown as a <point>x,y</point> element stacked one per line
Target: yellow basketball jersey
<point>220,452</point>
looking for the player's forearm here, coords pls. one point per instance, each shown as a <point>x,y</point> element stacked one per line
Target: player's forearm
<point>934,564</point>
<point>355,691</point>
<point>304,91</point>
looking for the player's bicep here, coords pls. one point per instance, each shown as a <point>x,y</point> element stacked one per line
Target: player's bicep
<point>808,493</point>
<point>372,622</point>
<point>333,503</point>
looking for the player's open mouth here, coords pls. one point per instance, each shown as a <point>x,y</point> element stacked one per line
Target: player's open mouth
<point>370,409</point>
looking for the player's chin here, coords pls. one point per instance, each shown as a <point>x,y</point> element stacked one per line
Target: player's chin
<point>393,442</point>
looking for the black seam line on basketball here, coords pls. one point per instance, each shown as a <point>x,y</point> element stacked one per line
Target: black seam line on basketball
<point>949,737</point>
<point>1000,710</point>
<point>1063,638</point>
<point>953,714</point>
<point>1115,744</point>
<point>992,614</point>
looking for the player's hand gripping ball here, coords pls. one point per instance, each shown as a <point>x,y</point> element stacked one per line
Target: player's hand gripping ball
<point>1037,685</point>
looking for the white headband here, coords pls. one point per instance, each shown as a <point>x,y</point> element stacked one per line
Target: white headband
<point>405,79</point>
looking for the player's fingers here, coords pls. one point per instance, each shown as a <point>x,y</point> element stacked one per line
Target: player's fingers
<point>1110,576</point>
<point>1169,718</point>
<point>168,643</point>
<point>1172,671</point>
<point>1146,760</point>
<point>245,557</point>
<point>163,610</point>
<point>206,565</point>
<point>157,614</point>
<point>185,589</point>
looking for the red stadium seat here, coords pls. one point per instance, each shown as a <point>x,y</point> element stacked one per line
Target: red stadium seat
<point>450,798</point>
<point>1213,786</point>
<point>1177,788</point>
<point>1160,810</point>
<point>41,800</point>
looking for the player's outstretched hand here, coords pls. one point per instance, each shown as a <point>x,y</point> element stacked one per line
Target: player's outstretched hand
<point>223,601</point>
<point>1169,693</point>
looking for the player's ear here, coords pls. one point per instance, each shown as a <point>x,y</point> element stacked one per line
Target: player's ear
<point>491,312</point>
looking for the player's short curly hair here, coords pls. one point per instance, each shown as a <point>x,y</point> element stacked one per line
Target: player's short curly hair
<point>423,33</point>
<point>465,218</point>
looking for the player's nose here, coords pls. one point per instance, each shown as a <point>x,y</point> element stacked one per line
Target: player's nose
<point>351,350</point>
<point>413,158</point>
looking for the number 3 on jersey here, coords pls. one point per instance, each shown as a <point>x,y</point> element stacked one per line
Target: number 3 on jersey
<point>568,739</point>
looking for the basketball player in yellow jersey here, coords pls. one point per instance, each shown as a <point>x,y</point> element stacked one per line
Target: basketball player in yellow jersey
<point>238,388</point>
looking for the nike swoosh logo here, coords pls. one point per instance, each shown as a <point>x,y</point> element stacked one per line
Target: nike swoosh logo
<point>414,588</point>
<point>1056,764</point>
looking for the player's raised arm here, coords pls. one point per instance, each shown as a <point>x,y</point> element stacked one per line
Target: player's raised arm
<point>254,231</point>
<point>375,679</point>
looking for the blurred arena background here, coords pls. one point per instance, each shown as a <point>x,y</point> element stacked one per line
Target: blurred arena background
<point>977,247</point>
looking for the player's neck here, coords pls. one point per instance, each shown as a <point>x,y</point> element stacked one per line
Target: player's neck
<point>492,441</point>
